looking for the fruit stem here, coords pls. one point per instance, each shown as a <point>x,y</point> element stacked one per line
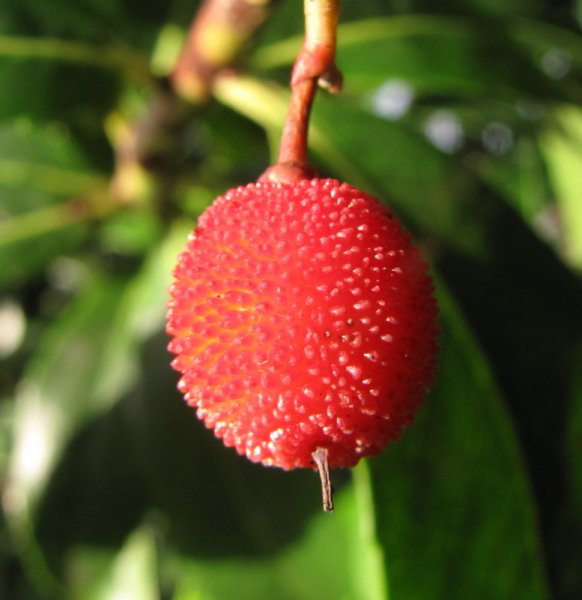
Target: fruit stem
<point>315,65</point>
<point>321,461</point>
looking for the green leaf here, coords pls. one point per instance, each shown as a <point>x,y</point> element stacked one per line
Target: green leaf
<point>562,149</point>
<point>102,20</point>
<point>455,512</point>
<point>569,531</point>
<point>24,258</point>
<point>523,305</point>
<point>39,163</point>
<point>39,166</point>
<point>368,559</point>
<point>131,574</point>
<point>319,566</point>
<point>521,181</point>
<point>113,57</point>
<point>56,399</point>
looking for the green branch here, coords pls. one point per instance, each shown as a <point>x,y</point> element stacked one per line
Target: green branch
<point>115,57</point>
<point>14,173</point>
<point>52,218</point>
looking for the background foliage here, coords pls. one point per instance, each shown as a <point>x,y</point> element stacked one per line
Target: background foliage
<point>465,117</point>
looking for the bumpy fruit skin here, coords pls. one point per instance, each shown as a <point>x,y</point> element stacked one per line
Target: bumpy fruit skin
<point>302,316</point>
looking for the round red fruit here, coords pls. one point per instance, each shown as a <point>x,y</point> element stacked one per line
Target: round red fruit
<point>302,317</point>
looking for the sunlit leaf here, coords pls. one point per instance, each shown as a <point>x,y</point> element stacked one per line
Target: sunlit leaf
<point>132,574</point>
<point>562,148</point>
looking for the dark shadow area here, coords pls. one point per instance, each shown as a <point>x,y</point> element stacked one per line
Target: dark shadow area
<point>95,496</point>
<point>525,308</point>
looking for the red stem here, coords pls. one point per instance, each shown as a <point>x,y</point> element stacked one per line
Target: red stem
<point>315,64</point>
<point>293,148</point>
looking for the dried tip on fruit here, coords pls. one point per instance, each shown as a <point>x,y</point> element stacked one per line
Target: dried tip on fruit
<point>320,458</point>
<point>303,324</point>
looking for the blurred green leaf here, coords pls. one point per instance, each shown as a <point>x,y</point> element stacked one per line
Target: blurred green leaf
<point>39,166</point>
<point>368,560</point>
<point>69,97</point>
<point>133,573</point>
<point>570,529</point>
<point>24,257</point>
<point>130,232</point>
<point>57,398</point>
<point>85,366</point>
<point>501,7</point>
<point>132,22</point>
<point>521,181</point>
<point>113,57</point>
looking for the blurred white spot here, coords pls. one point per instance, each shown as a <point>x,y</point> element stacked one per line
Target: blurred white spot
<point>12,327</point>
<point>548,224</point>
<point>497,138</point>
<point>556,63</point>
<point>32,455</point>
<point>444,130</point>
<point>529,109</point>
<point>392,99</point>
<point>66,274</point>
<point>36,431</point>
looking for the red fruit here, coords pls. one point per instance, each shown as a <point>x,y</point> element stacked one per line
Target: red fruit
<point>302,317</point>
